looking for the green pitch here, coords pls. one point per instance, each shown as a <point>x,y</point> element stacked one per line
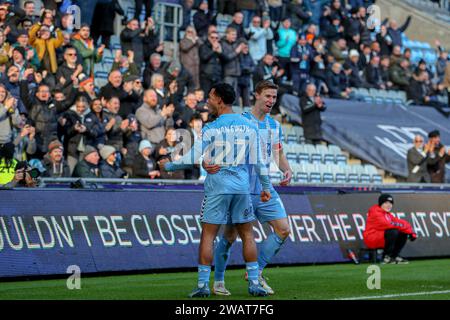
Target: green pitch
<point>426,279</point>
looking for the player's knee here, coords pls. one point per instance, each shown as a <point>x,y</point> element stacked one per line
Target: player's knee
<point>230,235</point>
<point>284,233</point>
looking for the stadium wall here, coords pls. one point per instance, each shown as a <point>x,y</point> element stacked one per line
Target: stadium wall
<point>43,232</point>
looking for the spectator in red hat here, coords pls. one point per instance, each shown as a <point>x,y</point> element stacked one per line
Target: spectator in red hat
<point>87,88</point>
<point>384,230</point>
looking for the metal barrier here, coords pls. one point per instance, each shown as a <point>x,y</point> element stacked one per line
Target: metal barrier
<point>174,12</point>
<point>341,187</point>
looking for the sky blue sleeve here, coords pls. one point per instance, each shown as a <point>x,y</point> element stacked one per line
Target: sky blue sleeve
<point>188,160</point>
<point>261,169</point>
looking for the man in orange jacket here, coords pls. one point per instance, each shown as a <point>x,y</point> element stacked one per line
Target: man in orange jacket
<point>384,230</point>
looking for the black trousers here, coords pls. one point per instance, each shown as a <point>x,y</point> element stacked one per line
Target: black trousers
<point>148,8</point>
<point>394,241</point>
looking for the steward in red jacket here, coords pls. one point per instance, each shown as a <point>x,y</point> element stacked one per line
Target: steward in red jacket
<point>384,230</point>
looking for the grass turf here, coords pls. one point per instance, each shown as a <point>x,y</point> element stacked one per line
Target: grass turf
<point>300,282</point>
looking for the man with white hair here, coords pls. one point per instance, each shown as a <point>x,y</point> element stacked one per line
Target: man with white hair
<point>396,33</point>
<point>418,158</point>
<point>312,106</point>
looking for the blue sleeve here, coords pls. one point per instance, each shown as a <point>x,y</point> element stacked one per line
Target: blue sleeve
<point>188,160</point>
<point>261,169</point>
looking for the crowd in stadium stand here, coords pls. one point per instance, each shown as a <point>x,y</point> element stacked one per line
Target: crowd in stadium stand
<point>51,110</point>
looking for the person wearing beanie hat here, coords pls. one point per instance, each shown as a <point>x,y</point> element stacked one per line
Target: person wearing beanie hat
<point>54,163</point>
<point>385,198</point>
<point>19,58</point>
<point>30,53</point>
<point>88,166</point>
<point>107,151</point>
<point>55,144</point>
<point>87,87</point>
<point>144,166</point>
<point>385,231</point>
<point>108,167</point>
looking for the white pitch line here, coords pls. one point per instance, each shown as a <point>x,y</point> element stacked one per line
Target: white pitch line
<point>397,295</point>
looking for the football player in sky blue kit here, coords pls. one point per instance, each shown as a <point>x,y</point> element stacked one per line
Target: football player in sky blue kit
<point>232,142</point>
<point>273,211</point>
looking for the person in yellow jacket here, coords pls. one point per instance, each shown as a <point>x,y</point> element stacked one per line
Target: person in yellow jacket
<point>41,39</point>
<point>7,163</point>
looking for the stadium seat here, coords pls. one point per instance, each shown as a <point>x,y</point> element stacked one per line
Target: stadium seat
<point>373,173</point>
<point>327,173</point>
<point>302,175</point>
<point>334,149</point>
<point>341,160</point>
<point>368,99</point>
<point>389,101</point>
<point>314,173</point>
<point>291,138</point>
<point>352,174</point>
<point>339,174</point>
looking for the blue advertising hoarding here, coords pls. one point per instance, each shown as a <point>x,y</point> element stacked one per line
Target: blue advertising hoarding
<point>43,232</point>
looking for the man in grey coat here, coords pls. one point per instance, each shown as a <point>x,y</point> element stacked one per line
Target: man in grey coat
<point>231,63</point>
<point>153,120</point>
<point>418,158</point>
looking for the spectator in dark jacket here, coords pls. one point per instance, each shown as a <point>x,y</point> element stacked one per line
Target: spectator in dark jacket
<point>202,19</point>
<point>151,41</point>
<point>169,149</point>
<point>244,81</point>
<point>211,56</point>
<point>336,86</point>
<point>116,88</point>
<point>103,20</point>
<point>298,14</point>
<point>373,74</point>
<point>131,39</point>
<point>109,167</point>
<point>312,105</point>
<point>385,63</point>
<point>88,166</point>
<point>145,164</point>
<point>301,57</point>
<point>44,112</point>
<point>238,25</point>
<point>440,157</point>
<point>400,75</point>
<point>185,111</point>
<point>175,72</point>
<point>12,84</point>
<point>54,163</point>
<point>155,66</point>
<point>75,132</point>
<point>96,122</point>
<point>231,52</point>
<point>395,32</point>
<point>385,41</point>
<point>355,78</point>
<point>417,159</point>
<point>138,8</point>
<point>67,74</point>
<point>267,69</point>
<point>115,129</point>
<point>334,30</point>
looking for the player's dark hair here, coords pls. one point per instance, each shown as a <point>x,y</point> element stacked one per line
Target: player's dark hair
<point>225,92</point>
<point>264,85</point>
